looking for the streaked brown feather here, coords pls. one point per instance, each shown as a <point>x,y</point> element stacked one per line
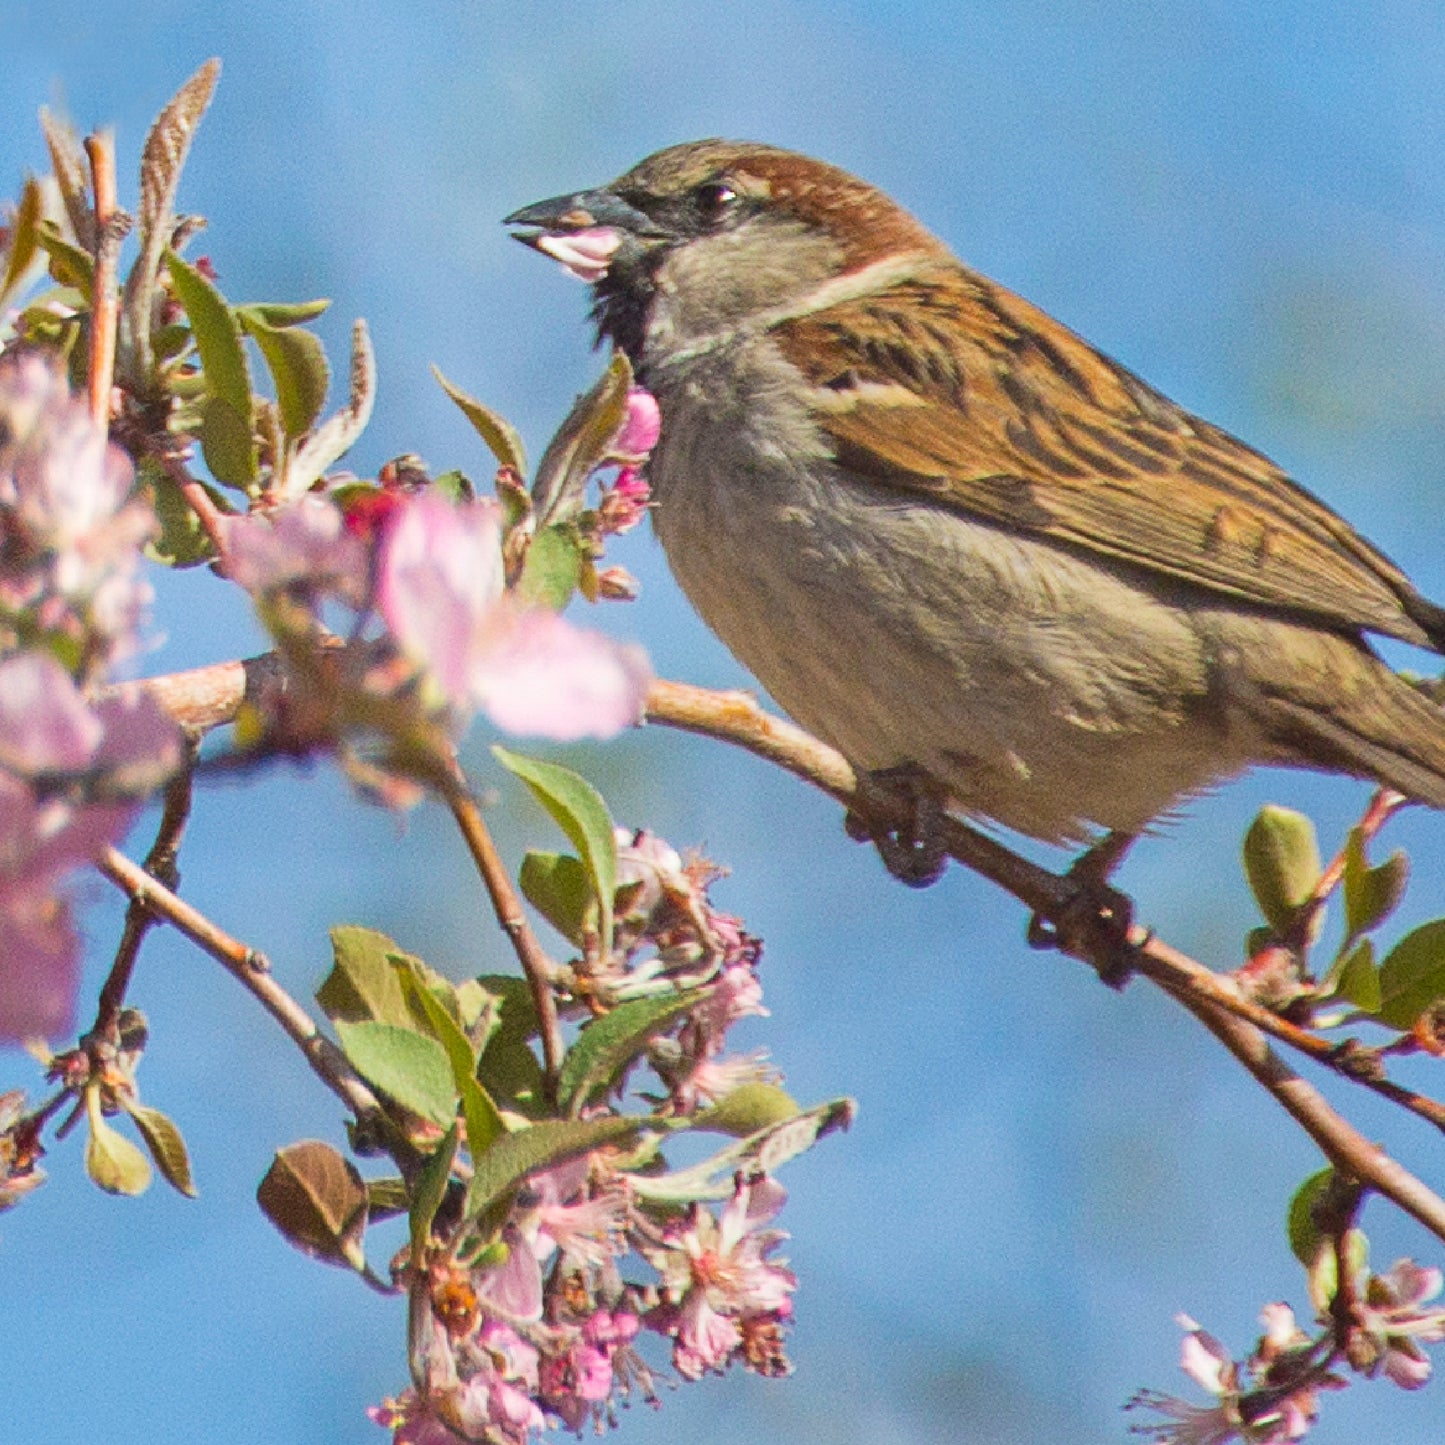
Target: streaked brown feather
<point>1013,419</point>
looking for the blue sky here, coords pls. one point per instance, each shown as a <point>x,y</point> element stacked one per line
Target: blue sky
<point>1246,204</point>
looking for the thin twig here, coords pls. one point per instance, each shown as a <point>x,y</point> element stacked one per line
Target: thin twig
<point>736,717</point>
<point>209,697</point>
<point>1338,1140</point>
<point>1170,968</point>
<point>109,232</point>
<point>251,969</point>
<point>197,498</point>
<point>160,864</point>
<point>1383,806</point>
<point>536,966</point>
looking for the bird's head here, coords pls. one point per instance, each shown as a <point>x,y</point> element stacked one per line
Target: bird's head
<point>701,237</point>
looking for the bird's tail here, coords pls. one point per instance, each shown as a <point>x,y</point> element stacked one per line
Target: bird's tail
<point>1351,714</point>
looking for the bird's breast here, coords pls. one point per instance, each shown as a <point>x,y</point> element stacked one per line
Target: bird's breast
<point>1048,691</point>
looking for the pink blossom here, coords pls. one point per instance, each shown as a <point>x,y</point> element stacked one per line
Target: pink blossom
<point>41,842</point>
<point>494,1403</point>
<point>64,481</point>
<point>124,748</point>
<point>514,1287</point>
<point>640,429</point>
<point>1254,1411</point>
<point>413,1421</point>
<point>716,1273</point>
<point>74,525</point>
<point>624,504</point>
<point>553,1213</point>
<point>653,864</point>
<point>1394,1315</point>
<point>440,592</point>
<point>736,994</point>
<point>578,1378</point>
<point>46,726</point>
<point>712,1079</point>
<point>304,544</point>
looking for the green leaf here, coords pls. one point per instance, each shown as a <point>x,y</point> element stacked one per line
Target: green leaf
<point>438,1020</point>
<point>24,240</point>
<point>1355,978</point>
<point>509,1011</point>
<point>183,541</point>
<point>69,265</point>
<point>484,1122</point>
<point>314,1195</point>
<point>552,568</point>
<point>749,1109</point>
<point>766,1150</point>
<point>455,486</point>
<point>578,809</point>
<point>166,147</point>
<point>111,1160</point>
<point>166,1146</point>
<point>227,443</point>
<point>363,985</point>
<point>431,1189</point>
<point>581,445</point>
<point>1304,1234</point>
<point>509,1068</point>
<point>557,886</point>
<point>409,1066</point>
<point>297,362</point>
<point>1281,862</point>
<point>218,336</point>
<point>539,1146</point>
<point>72,176</point>
<point>330,441</point>
<point>1412,977</point>
<point>1371,894</point>
<point>498,433</point>
<point>286,313</point>
<point>607,1045</point>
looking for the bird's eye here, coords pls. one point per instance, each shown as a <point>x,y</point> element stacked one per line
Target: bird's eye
<point>713,199</point>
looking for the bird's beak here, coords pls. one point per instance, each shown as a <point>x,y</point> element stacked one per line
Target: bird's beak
<point>582,231</point>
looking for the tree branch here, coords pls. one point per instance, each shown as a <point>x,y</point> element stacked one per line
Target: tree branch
<point>209,697</point>
<point>536,966</point>
<point>253,972</point>
<point>110,228</point>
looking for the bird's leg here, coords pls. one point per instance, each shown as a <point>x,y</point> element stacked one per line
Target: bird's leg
<point>1092,918</point>
<point>915,853</point>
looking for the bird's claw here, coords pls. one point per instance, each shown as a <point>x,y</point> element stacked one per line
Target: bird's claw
<point>1091,919</point>
<point>916,855</point>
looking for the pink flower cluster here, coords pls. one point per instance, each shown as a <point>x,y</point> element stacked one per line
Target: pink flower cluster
<point>1272,1397</point>
<point>72,771</point>
<point>431,574</point>
<point>625,502</point>
<point>545,1329</point>
<point>503,1352</point>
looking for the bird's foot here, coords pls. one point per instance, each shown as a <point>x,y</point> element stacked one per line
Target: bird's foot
<point>1092,919</point>
<point>915,853</point>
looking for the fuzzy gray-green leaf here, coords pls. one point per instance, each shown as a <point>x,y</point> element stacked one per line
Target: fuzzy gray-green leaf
<point>1281,862</point>
<point>1412,977</point>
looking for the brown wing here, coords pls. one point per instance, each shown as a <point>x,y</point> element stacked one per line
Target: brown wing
<point>949,385</point>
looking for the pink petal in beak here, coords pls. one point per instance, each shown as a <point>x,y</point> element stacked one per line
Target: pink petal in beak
<point>584,253</point>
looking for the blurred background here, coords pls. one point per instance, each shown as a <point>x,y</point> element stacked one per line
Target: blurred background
<point>1246,204</point>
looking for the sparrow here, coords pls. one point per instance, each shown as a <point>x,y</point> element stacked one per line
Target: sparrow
<point>955,541</point>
